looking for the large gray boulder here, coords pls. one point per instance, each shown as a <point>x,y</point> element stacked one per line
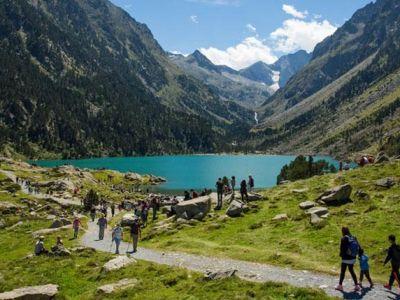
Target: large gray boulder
<point>337,195</point>
<point>41,292</point>
<point>117,263</point>
<point>189,209</point>
<point>235,209</point>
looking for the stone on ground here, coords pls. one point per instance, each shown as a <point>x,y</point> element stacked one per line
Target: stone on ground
<point>41,292</point>
<point>235,209</point>
<point>123,284</point>
<point>280,218</point>
<point>385,182</point>
<point>189,209</point>
<point>319,211</point>
<point>219,274</point>
<point>49,230</point>
<point>133,176</point>
<point>60,223</point>
<point>300,191</point>
<point>307,204</point>
<point>337,195</point>
<point>117,263</point>
<point>317,221</point>
<point>127,219</point>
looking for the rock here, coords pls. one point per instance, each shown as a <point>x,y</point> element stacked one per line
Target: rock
<point>235,209</point>
<point>180,221</point>
<point>57,224</point>
<point>40,232</point>
<point>133,177</point>
<point>40,292</point>
<point>60,251</point>
<point>118,263</point>
<point>362,195</point>
<point>51,217</point>
<point>83,249</point>
<point>381,158</point>
<point>7,208</point>
<point>325,216</point>
<point>2,224</point>
<point>213,226</point>
<point>254,197</point>
<point>349,212</point>
<point>123,284</point>
<point>316,220</point>
<point>385,182</point>
<point>166,210</point>
<point>318,210</point>
<point>307,204</point>
<point>223,218</point>
<point>337,195</point>
<point>300,191</point>
<point>127,219</point>
<point>189,209</point>
<point>199,217</point>
<point>219,274</point>
<point>280,218</point>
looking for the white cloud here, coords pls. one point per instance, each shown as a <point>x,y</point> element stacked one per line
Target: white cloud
<point>297,34</point>
<point>194,19</point>
<point>291,10</point>
<point>251,28</point>
<point>249,51</point>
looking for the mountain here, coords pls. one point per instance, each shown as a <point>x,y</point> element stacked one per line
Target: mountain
<point>82,78</point>
<point>346,99</point>
<point>259,72</point>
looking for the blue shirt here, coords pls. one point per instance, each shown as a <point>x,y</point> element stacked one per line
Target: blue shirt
<point>364,266</point>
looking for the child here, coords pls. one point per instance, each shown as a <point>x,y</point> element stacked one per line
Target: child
<point>364,266</point>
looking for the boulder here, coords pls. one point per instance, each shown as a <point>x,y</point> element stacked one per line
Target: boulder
<point>209,275</point>
<point>117,263</point>
<point>280,218</point>
<point>385,182</point>
<point>123,284</point>
<point>133,177</point>
<point>300,191</point>
<point>307,204</point>
<point>128,219</point>
<point>199,217</point>
<point>189,209</point>
<point>318,210</point>
<point>40,292</point>
<point>337,195</point>
<point>166,210</point>
<point>254,197</point>
<point>82,249</point>
<point>235,209</point>
<point>49,230</point>
<point>7,208</point>
<point>57,224</point>
<point>60,251</point>
<point>362,195</point>
<point>315,220</point>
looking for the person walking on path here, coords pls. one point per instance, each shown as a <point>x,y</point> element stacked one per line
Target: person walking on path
<point>112,209</point>
<point>243,190</point>
<point>220,191</point>
<point>251,183</point>
<point>393,255</point>
<point>102,222</point>
<point>349,249</point>
<point>135,233</point>
<point>117,236</point>
<point>76,224</point>
<point>364,268</point>
<point>155,205</point>
<point>233,184</point>
<point>93,213</point>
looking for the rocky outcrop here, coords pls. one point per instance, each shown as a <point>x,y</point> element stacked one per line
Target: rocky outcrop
<point>123,284</point>
<point>385,182</point>
<point>307,204</point>
<point>118,263</point>
<point>337,195</point>
<point>235,209</point>
<point>189,209</point>
<point>49,230</point>
<point>133,176</point>
<point>41,292</point>
<point>318,210</point>
<point>7,208</point>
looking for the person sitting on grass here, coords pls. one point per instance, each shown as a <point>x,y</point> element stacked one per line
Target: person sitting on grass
<point>39,247</point>
<point>394,257</point>
<point>364,268</point>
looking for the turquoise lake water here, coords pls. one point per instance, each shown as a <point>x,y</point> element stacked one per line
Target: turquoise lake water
<point>193,171</point>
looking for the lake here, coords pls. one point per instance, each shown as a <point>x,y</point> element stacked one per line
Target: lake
<point>192,171</point>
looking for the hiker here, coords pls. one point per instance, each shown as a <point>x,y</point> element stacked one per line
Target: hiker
<point>393,255</point>
<point>59,241</point>
<point>243,190</point>
<point>349,249</point>
<point>364,268</point>
<point>233,184</point>
<point>155,205</point>
<point>135,233</point>
<point>39,247</point>
<point>75,225</point>
<point>117,236</point>
<point>102,222</point>
<point>220,190</point>
<point>144,213</point>
<point>186,196</point>
<point>93,213</point>
<point>194,194</point>
<point>112,210</point>
<point>251,183</point>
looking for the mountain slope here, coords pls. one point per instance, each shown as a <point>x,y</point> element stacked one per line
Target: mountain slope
<point>348,83</point>
<point>82,78</point>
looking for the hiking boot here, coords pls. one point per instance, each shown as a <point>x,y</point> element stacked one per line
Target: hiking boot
<point>357,288</point>
<point>388,287</point>
<point>339,287</point>
<point>371,286</point>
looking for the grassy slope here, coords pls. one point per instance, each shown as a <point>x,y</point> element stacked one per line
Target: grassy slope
<point>80,275</point>
<point>296,243</point>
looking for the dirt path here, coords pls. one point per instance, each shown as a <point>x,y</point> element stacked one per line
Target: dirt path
<point>245,270</point>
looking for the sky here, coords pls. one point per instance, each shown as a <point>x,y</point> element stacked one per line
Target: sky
<point>238,33</point>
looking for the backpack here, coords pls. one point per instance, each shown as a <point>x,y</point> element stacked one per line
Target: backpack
<point>354,246</point>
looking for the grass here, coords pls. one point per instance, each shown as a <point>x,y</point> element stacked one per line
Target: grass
<point>296,243</point>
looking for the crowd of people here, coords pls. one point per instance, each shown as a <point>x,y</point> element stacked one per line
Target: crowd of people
<point>225,186</point>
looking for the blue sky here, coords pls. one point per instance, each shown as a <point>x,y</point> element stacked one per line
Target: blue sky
<point>240,32</point>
